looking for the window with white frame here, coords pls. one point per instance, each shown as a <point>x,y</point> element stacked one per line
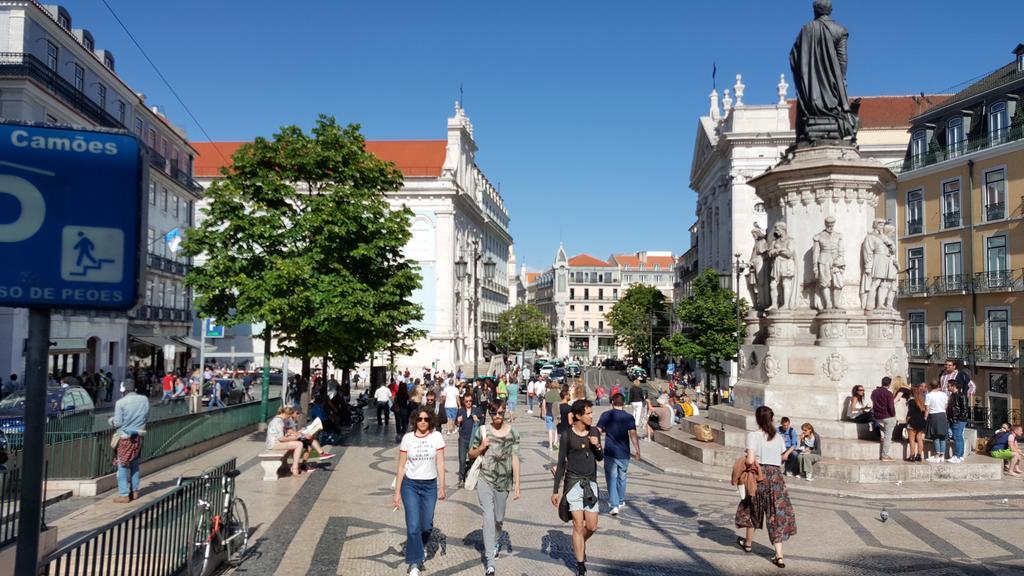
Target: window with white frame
<point>995,195</point>
<point>121,114</point>
<point>101,96</point>
<point>163,202</point>
<point>915,269</point>
<point>952,266</point>
<point>918,148</point>
<point>52,56</point>
<point>88,43</point>
<point>951,204</point>
<point>79,78</point>
<point>150,239</point>
<point>997,334</point>
<point>917,335</point>
<point>152,193</point>
<point>174,206</point>
<point>63,21</point>
<point>149,292</point>
<point>998,123</point>
<point>138,127</point>
<point>954,333</point>
<point>955,137</point>
<point>995,253</point>
<point>915,212</point>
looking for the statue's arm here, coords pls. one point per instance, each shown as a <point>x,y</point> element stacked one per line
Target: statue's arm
<point>841,50</point>
<point>816,252</point>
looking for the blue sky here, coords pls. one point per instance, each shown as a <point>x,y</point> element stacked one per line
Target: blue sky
<point>584,112</point>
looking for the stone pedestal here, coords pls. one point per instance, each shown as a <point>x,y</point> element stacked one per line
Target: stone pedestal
<point>804,362</point>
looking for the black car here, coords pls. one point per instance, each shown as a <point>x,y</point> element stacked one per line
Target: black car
<point>557,374</point>
<point>60,402</point>
<point>231,391</point>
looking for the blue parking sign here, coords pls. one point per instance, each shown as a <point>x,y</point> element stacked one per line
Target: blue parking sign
<point>71,218</point>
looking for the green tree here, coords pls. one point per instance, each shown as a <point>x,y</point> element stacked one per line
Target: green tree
<point>298,234</point>
<point>711,331</point>
<point>523,327</point>
<point>639,320</point>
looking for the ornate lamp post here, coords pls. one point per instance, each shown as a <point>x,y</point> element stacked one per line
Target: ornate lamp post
<point>461,272</point>
<point>739,333</point>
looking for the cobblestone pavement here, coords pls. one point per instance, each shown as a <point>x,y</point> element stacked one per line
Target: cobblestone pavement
<point>340,521</point>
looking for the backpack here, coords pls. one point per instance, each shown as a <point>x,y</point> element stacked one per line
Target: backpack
<point>997,440</point>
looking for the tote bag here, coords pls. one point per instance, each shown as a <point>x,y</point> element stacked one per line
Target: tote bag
<point>474,471</point>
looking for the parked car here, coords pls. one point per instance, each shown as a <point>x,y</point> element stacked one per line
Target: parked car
<point>231,391</point>
<point>60,402</point>
<point>546,369</point>
<point>573,369</point>
<point>614,364</point>
<point>557,374</point>
<point>276,377</point>
<point>637,373</point>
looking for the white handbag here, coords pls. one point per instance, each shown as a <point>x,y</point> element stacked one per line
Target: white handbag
<point>474,471</point>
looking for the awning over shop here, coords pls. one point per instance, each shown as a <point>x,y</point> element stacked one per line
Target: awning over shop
<point>68,346</point>
<point>193,343</point>
<point>158,341</point>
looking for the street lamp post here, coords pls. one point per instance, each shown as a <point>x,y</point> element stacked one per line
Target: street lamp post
<point>739,333</point>
<point>461,273</point>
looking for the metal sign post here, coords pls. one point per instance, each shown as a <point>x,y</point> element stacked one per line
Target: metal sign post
<point>75,244</point>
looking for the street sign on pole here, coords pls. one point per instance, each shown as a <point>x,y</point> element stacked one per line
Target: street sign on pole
<point>212,330</point>
<point>77,196</point>
<point>71,221</point>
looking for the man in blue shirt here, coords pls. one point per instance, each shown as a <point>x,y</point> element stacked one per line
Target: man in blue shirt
<point>789,457</point>
<point>619,429</point>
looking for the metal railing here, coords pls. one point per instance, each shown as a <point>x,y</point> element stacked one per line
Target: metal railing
<point>913,287</point>
<point>956,351</point>
<point>915,226</point>
<point>10,492</point>
<point>153,540</point>
<point>917,351</point>
<point>980,282</point>
<point>940,153</point>
<point>951,284</point>
<point>19,64</point>
<point>995,211</point>
<point>166,265</point>
<point>951,219</point>
<point>1001,353</point>
<point>983,417</point>
<point>160,313</point>
<point>89,455</point>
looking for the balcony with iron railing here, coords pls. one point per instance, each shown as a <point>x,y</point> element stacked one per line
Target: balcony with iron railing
<point>995,211</point>
<point>915,227</point>
<point>22,65</point>
<point>1005,352</point>
<point>913,287</point>
<point>167,265</point>
<point>999,281</point>
<point>954,351</point>
<point>919,351</point>
<point>161,314</point>
<point>940,153</point>
<point>950,284</point>
<point>951,219</point>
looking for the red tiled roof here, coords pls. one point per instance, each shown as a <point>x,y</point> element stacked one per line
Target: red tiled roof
<point>877,112</point>
<point>422,158</point>
<point>531,277</point>
<point>633,261</point>
<point>586,260</point>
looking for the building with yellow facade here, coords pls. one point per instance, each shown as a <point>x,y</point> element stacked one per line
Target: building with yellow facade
<point>961,239</point>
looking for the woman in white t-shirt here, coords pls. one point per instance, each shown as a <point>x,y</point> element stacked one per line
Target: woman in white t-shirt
<point>938,425</point>
<point>419,484</point>
<point>770,505</point>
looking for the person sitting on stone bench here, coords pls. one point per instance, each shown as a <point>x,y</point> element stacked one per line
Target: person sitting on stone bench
<point>1006,447</point>
<point>277,438</point>
<point>292,431</point>
<point>660,416</point>
<point>858,409</point>
<point>808,451</point>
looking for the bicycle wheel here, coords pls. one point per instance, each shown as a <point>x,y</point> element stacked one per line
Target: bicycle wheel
<point>198,555</point>
<point>237,531</point>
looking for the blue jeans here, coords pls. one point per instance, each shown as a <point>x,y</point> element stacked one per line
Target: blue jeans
<point>529,403</point>
<point>956,430</point>
<point>215,402</point>
<point>419,498</point>
<point>123,474</point>
<point>615,477</point>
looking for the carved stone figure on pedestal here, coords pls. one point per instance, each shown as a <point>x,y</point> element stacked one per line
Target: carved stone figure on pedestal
<point>829,265</point>
<point>876,256</point>
<point>818,61</point>
<point>783,271</point>
<point>755,268</point>
<point>893,270</point>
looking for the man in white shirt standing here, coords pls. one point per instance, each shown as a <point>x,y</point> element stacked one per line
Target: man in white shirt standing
<point>450,394</point>
<point>383,397</point>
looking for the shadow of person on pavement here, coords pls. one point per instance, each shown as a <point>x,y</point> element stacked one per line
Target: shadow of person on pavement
<point>557,545</point>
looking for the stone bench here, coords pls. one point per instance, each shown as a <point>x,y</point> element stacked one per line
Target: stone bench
<point>273,462</point>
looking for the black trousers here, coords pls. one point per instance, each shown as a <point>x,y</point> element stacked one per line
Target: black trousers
<point>382,409</point>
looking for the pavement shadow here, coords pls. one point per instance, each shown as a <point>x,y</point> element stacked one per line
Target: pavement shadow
<point>557,545</point>
<point>475,540</point>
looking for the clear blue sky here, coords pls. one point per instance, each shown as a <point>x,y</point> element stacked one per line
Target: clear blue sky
<point>585,112</point>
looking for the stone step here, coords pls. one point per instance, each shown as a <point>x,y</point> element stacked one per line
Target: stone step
<point>724,434</point>
<point>710,453</point>
<point>973,469</point>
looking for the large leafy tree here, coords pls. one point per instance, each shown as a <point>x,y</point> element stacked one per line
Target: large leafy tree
<point>523,327</point>
<point>639,320</point>
<point>298,234</point>
<point>711,330</point>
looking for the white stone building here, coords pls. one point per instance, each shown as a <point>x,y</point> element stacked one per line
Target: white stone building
<point>51,72</point>
<point>737,141</point>
<point>455,208</point>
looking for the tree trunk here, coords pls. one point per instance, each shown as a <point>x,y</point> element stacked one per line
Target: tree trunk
<point>325,369</point>
<point>304,391</point>
<point>265,384</point>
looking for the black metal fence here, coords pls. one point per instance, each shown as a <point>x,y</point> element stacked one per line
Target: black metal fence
<point>153,540</point>
<point>10,491</point>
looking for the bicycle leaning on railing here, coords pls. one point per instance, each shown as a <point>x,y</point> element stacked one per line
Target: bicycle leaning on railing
<point>215,534</point>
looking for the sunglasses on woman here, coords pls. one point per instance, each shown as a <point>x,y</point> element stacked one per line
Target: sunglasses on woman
<point>423,419</point>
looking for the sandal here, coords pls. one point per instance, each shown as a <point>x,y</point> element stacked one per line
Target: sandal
<point>779,561</point>
<point>742,543</point>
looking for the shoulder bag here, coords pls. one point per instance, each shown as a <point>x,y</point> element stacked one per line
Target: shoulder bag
<point>474,471</point>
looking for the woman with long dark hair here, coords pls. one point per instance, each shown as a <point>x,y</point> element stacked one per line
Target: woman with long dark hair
<point>400,406</point>
<point>419,484</point>
<point>917,423</point>
<point>770,504</point>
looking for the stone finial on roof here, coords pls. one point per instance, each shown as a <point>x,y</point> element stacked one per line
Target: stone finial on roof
<point>783,89</point>
<point>461,118</point>
<point>738,89</point>
<point>726,102</point>
<point>715,113</point>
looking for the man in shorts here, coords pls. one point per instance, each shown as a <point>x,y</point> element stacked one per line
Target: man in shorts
<point>552,398</point>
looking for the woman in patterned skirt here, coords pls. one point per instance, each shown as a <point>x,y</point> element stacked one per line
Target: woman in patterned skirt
<point>770,504</point>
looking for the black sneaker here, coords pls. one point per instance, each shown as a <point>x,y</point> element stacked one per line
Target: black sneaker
<point>489,571</point>
<point>581,569</point>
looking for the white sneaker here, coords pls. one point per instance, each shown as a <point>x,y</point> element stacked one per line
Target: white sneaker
<point>788,473</point>
<point>615,511</point>
<point>529,411</point>
<point>955,460</point>
<point>809,478</point>
<point>414,570</point>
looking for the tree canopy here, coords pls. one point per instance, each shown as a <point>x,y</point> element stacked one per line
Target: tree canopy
<point>523,327</point>
<point>639,319</point>
<point>298,234</point>
<point>710,332</point>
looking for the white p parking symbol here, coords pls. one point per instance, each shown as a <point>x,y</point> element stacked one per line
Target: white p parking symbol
<point>33,209</point>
